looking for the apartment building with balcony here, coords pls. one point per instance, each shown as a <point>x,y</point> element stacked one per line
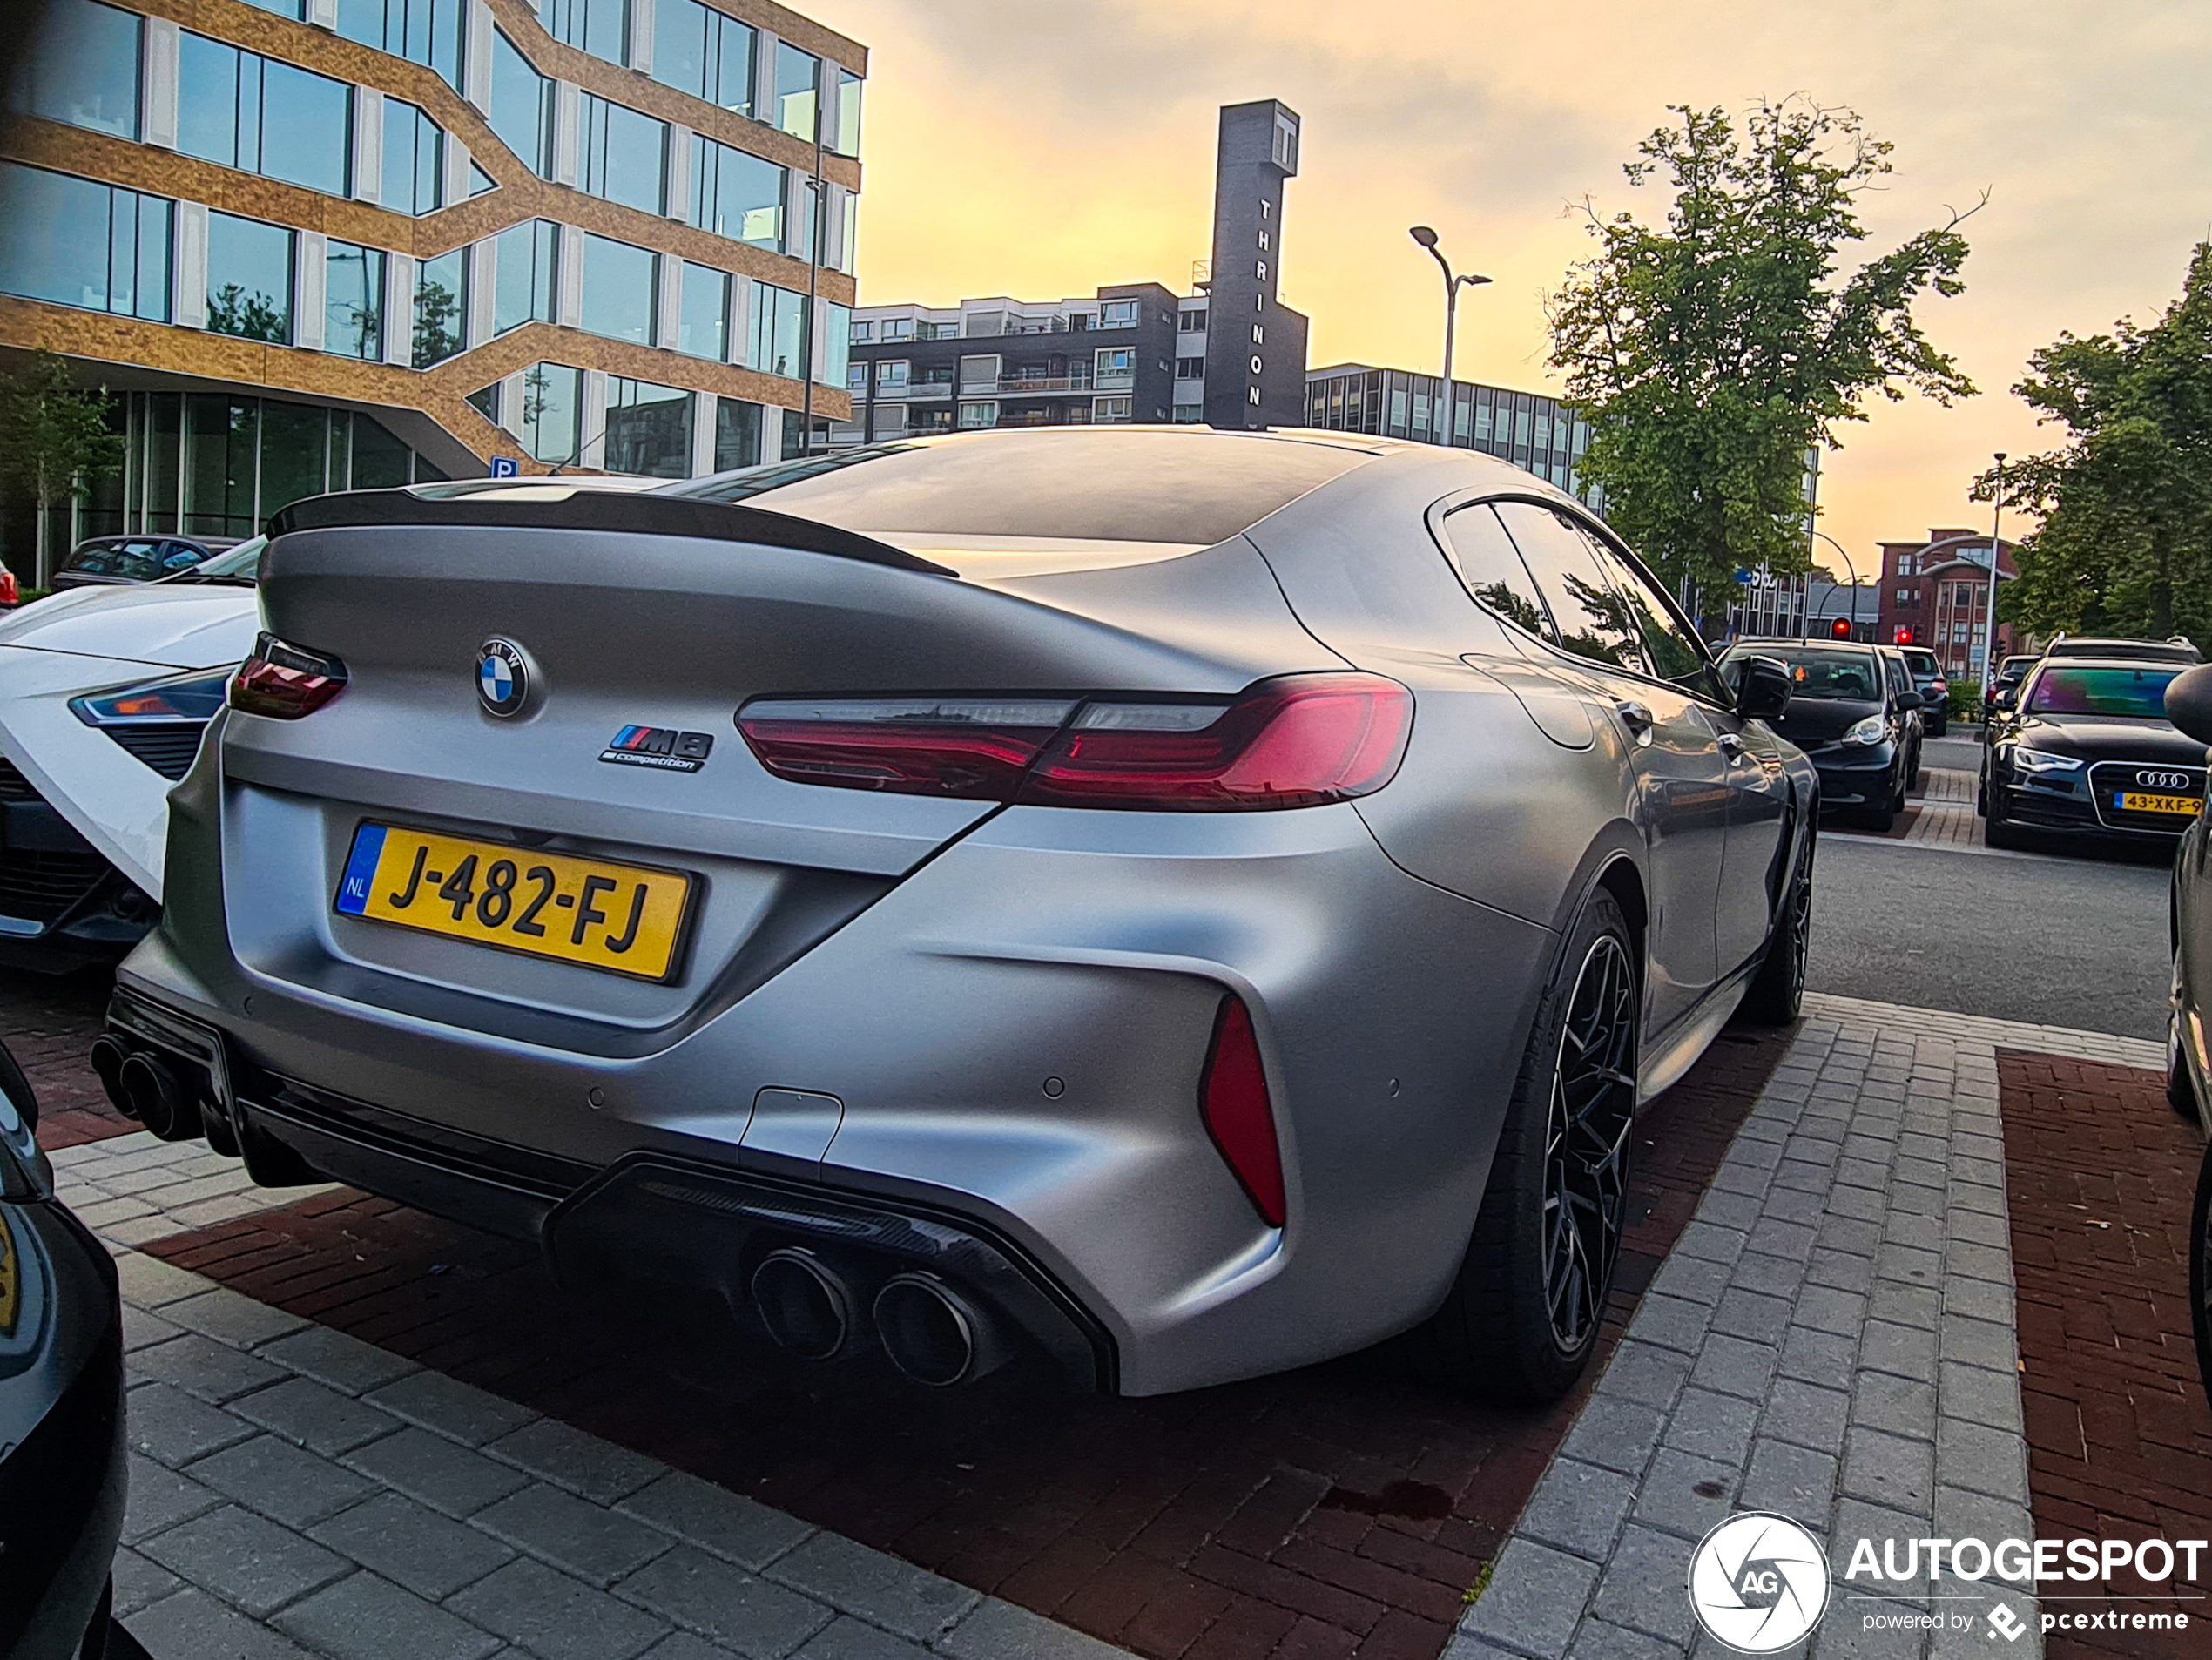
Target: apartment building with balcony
<point>1936,593</point>
<point>1534,432</point>
<point>1108,356</point>
<point>314,244</point>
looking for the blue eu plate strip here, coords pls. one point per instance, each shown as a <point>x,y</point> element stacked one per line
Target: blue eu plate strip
<point>360,869</point>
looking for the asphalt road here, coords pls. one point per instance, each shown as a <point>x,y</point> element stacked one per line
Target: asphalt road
<point>2067,940</point>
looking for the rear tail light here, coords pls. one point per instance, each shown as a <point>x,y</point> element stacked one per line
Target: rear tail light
<point>9,593</point>
<point>1301,740</point>
<point>1232,1099</point>
<point>284,682</point>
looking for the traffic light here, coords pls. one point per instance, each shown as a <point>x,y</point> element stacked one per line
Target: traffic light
<point>1904,636</point>
<point>1840,629</point>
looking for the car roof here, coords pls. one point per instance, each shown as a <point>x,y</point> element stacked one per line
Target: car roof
<point>2115,646</point>
<point>2138,664</point>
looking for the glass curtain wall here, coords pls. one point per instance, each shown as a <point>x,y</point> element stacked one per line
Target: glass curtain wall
<point>777,327</point>
<point>548,422</point>
<point>705,53</point>
<point>84,69</point>
<point>441,306</point>
<point>600,27</point>
<point>703,328</point>
<point>240,109</point>
<point>353,322</point>
<point>249,278</point>
<point>649,429</point>
<point>624,155</point>
<point>423,31</point>
<point>621,286</point>
<point>527,257</point>
<point>797,97</point>
<point>521,106</point>
<point>77,243</point>
<point>414,160</point>
<point>736,434</point>
<point>736,194</point>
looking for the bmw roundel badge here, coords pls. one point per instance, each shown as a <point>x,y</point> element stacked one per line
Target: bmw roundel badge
<point>503,677</point>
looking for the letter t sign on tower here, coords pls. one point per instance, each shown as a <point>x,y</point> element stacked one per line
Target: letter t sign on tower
<point>1255,346</point>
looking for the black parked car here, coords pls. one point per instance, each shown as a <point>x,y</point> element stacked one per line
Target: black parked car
<point>1858,727</point>
<point>2189,1061</point>
<point>105,560</point>
<point>2084,749</point>
<point>1934,690</point>
<point>61,1405</point>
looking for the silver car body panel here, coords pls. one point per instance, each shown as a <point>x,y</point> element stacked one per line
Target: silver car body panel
<point>997,1011</point>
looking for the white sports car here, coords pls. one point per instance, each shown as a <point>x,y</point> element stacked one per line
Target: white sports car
<point>103,694</point>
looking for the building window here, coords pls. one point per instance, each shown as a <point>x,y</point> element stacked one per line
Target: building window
<point>441,306</point>
<point>600,27</point>
<point>1118,313</point>
<point>423,31</point>
<point>1116,367</point>
<point>1190,368</point>
<point>624,155</point>
<point>649,429</point>
<point>779,323</point>
<point>847,142</point>
<point>798,102</point>
<point>523,292</point>
<point>737,432</point>
<point>620,285</point>
<point>737,195</point>
<point>899,329</point>
<point>979,414</point>
<point>240,109</point>
<point>415,169</point>
<point>1104,409</point>
<point>856,379</point>
<point>891,373</point>
<point>77,243</point>
<point>837,335</point>
<point>849,243</point>
<point>249,278</point>
<point>863,331</point>
<point>547,422</point>
<point>702,329</point>
<point>352,304</point>
<point>83,69</point>
<point>521,106</point>
<point>937,331</point>
<point>700,51</point>
<point>1192,322</point>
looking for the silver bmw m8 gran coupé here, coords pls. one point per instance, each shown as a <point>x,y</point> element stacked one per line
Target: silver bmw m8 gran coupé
<point>1167,905</point>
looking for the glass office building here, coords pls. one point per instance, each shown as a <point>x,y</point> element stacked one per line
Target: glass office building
<point>1528,428</point>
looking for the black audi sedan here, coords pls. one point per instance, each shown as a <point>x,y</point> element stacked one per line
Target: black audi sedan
<point>1853,721</point>
<point>2084,749</point>
<point>61,1405</point>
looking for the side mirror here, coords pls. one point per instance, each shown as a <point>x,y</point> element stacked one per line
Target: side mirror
<point>1765,690</point>
<point>2189,702</point>
<point>1911,700</point>
<point>2003,698</point>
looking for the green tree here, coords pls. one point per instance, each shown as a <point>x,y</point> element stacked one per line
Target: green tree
<point>1711,354</point>
<point>54,442</point>
<point>231,310</point>
<point>2126,542</point>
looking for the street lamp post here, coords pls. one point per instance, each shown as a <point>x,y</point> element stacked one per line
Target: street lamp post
<point>1426,237</point>
<point>1989,626</point>
<point>1849,566</point>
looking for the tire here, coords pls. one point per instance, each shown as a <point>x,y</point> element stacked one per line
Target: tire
<point>1519,1323</point>
<point>1912,778</point>
<point>2181,1094</point>
<point>1778,991</point>
<point>1997,831</point>
<point>1880,818</point>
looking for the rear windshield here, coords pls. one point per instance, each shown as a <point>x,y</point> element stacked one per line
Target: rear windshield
<point>1820,673</point>
<point>1924,663</point>
<point>1193,488</point>
<point>134,561</point>
<point>2135,694</point>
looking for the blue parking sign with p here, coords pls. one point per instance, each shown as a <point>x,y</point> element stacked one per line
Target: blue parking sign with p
<point>505,466</point>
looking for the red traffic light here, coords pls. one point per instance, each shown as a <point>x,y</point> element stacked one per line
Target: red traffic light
<point>1840,629</point>
<point>1904,636</point>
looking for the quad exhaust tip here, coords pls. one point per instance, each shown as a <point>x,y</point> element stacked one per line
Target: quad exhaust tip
<point>157,1099</point>
<point>934,1335</point>
<point>806,1304</point>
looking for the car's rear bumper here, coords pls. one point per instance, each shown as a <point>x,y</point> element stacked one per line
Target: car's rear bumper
<point>1011,1038</point>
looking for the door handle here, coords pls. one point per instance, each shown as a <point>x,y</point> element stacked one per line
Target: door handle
<point>1637,719</point>
<point>1732,747</point>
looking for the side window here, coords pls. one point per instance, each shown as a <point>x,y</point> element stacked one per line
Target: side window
<point>1675,652</point>
<point>1593,617</point>
<point>1484,556</point>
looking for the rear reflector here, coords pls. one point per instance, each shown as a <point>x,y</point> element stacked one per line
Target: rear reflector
<point>1232,1099</point>
<point>1301,740</point>
<point>284,682</point>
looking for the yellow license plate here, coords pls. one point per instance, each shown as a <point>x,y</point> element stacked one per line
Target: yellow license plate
<point>2133,801</point>
<point>627,918</point>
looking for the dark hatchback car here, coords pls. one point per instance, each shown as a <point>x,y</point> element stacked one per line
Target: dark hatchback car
<point>2084,749</point>
<point>61,1405</point>
<point>1934,690</point>
<point>107,560</point>
<point>1850,716</point>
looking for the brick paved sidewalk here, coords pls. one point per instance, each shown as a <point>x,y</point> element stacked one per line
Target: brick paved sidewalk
<point>2102,1174</point>
<point>1833,1338</point>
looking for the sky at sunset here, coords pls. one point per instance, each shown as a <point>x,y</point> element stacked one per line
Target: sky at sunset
<point>1041,148</point>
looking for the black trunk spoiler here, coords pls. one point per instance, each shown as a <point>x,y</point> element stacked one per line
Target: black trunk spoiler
<point>629,513</point>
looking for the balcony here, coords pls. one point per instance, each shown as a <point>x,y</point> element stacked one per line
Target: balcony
<point>915,389</point>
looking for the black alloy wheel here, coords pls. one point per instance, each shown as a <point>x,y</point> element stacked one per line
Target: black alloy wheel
<point>1587,1141</point>
<point>1776,997</point>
